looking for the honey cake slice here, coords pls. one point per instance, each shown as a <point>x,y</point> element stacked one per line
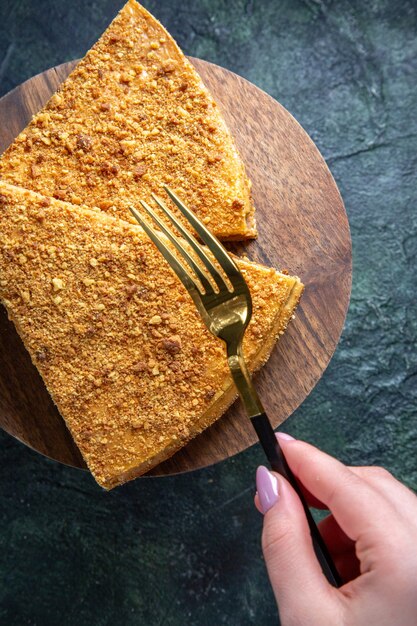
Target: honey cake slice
<point>135,113</point>
<point>116,337</point>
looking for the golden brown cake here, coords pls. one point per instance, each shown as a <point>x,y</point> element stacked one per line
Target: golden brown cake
<point>132,115</point>
<point>116,337</point>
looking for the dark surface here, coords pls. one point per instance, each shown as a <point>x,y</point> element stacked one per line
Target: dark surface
<point>185,550</point>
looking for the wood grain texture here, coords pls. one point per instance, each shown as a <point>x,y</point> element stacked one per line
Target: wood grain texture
<point>302,226</point>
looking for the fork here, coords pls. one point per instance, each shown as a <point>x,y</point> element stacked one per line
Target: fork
<point>226,311</point>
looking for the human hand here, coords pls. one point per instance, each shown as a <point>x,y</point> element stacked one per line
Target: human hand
<point>371,534</point>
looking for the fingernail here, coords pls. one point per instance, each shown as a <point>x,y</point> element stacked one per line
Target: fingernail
<point>285,437</point>
<point>267,485</point>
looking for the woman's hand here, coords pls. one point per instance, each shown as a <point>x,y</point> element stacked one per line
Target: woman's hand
<point>371,534</point>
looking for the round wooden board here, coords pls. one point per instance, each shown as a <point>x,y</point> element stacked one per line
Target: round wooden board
<point>302,226</point>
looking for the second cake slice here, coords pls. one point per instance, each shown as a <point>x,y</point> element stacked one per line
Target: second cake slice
<point>133,114</point>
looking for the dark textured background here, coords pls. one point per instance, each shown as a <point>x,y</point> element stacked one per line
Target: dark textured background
<point>185,550</point>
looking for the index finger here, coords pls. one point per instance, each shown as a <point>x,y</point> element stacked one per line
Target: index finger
<point>355,504</point>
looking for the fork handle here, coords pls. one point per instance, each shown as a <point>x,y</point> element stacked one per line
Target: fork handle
<point>278,463</point>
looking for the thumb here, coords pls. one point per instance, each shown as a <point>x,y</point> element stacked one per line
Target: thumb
<point>300,588</point>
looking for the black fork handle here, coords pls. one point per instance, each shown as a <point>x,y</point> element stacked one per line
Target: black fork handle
<point>278,463</point>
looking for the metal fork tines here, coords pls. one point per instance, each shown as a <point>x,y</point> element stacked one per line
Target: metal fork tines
<point>227,309</point>
<point>224,302</point>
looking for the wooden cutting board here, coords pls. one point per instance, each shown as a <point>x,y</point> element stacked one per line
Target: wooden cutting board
<point>302,226</point>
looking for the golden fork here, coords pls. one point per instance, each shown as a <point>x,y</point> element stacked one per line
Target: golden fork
<point>227,313</point>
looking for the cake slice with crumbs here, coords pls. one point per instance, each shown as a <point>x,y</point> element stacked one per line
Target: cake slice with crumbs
<point>133,113</point>
<point>116,337</point>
